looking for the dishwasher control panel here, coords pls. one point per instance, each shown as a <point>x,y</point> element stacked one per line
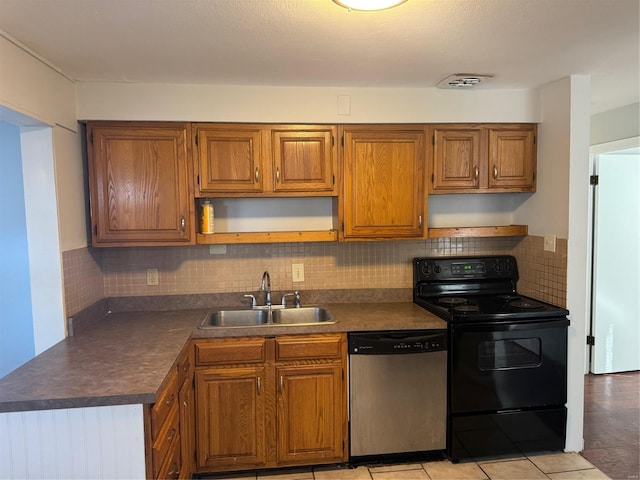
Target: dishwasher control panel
<point>397,342</point>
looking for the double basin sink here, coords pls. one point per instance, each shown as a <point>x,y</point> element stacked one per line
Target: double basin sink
<point>263,316</point>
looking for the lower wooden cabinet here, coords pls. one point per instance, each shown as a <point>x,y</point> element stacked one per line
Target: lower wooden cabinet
<point>285,405</point>
<point>170,424</point>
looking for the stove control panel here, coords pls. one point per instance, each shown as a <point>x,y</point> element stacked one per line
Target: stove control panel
<point>453,268</point>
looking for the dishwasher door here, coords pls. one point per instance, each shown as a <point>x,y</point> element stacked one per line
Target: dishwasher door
<point>397,402</point>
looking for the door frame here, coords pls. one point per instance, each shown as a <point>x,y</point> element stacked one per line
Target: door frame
<point>594,152</point>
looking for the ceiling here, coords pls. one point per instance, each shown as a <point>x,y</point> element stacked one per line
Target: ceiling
<point>524,43</point>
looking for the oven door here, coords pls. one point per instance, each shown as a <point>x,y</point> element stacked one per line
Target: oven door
<point>502,367</point>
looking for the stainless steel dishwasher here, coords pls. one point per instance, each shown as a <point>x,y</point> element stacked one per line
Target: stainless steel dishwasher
<point>397,392</point>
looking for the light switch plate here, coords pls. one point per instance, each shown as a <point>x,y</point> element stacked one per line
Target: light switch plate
<point>297,272</point>
<point>549,243</point>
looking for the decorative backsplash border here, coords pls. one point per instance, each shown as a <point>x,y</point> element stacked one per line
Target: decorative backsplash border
<point>92,274</point>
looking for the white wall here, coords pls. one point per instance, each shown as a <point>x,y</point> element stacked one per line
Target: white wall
<point>560,206</point>
<point>201,103</point>
<point>37,91</point>
<point>617,124</point>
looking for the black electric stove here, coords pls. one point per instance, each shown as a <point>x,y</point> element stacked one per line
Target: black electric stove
<point>476,289</point>
<point>507,357</point>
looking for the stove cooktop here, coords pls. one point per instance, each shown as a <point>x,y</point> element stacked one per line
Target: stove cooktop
<point>469,289</point>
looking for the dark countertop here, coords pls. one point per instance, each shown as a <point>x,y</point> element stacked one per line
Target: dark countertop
<point>125,357</point>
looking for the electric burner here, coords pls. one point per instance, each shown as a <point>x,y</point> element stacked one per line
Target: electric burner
<point>467,308</point>
<point>451,301</point>
<point>527,305</point>
<point>508,298</point>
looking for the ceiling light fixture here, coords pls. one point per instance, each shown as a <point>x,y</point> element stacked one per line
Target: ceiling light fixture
<point>368,5</point>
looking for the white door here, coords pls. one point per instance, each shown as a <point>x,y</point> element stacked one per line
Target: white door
<point>616,274</point>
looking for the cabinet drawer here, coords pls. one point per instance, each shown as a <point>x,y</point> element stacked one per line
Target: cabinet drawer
<point>168,437</point>
<point>166,401</point>
<point>308,347</point>
<point>230,350</point>
<point>185,365</point>
<point>170,469</point>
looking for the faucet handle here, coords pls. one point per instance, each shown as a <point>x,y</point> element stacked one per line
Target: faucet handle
<point>296,298</point>
<point>253,300</point>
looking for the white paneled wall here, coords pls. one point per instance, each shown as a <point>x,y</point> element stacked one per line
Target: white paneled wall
<point>82,443</point>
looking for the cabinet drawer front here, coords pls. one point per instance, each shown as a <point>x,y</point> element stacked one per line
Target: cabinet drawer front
<point>166,401</point>
<point>172,464</point>
<point>308,347</point>
<point>185,365</point>
<point>230,350</point>
<point>168,438</point>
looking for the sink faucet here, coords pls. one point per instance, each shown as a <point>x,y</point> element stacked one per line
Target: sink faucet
<point>265,285</point>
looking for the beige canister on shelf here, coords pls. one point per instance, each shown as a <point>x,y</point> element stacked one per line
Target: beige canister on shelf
<point>206,217</point>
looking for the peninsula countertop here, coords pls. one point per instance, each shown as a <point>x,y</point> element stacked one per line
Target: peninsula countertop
<point>125,357</point>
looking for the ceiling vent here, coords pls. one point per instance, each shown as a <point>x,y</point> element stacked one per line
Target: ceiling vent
<point>463,81</point>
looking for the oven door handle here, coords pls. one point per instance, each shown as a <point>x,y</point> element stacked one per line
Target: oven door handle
<point>510,327</point>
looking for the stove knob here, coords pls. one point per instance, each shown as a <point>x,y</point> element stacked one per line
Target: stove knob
<point>497,267</point>
<point>436,269</point>
<point>426,270</point>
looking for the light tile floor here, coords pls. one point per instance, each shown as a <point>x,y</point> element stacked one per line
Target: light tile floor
<point>558,466</point>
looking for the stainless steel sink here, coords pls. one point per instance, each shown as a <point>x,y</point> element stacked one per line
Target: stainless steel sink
<point>303,315</point>
<point>262,316</point>
<point>235,318</point>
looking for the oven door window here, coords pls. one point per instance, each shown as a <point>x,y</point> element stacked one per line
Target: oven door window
<point>509,353</point>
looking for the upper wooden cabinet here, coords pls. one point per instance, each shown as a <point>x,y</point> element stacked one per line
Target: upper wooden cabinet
<point>139,181</point>
<point>265,160</point>
<point>483,158</point>
<point>384,195</point>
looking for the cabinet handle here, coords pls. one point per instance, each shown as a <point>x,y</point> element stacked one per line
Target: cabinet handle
<point>259,386</point>
<point>420,221</point>
<point>182,224</point>
<point>171,434</point>
<point>476,172</point>
<point>277,174</point>
<point>281,384</point>
<point>495,172</point>
<point>257,174</point>
<point>169,402</point>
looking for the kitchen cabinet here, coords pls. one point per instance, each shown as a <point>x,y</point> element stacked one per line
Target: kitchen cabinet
<point>264,160</point>
<point>139,181</point>
<point>481,158</point>
<point>384,195</point>
<point>170,423</point>
<point>267,402</point>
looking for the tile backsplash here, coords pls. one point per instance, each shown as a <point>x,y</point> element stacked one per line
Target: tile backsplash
<point>91,274</point>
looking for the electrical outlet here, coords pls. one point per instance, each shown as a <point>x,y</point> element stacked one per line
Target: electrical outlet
<point>152,276</point>
<point>217,249</point>
<point>297,272</point>
<point>549,243</point>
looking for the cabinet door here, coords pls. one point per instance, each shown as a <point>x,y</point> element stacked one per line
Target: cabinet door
<point>186,400</point>
<point>512,158</point>
<point>304,159</point>
<point>229,158</point>
<point>230,417</point>
<point>384,194</point>
<point>457,159</point>
<point>310,413</point>
<point>140,184</point>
